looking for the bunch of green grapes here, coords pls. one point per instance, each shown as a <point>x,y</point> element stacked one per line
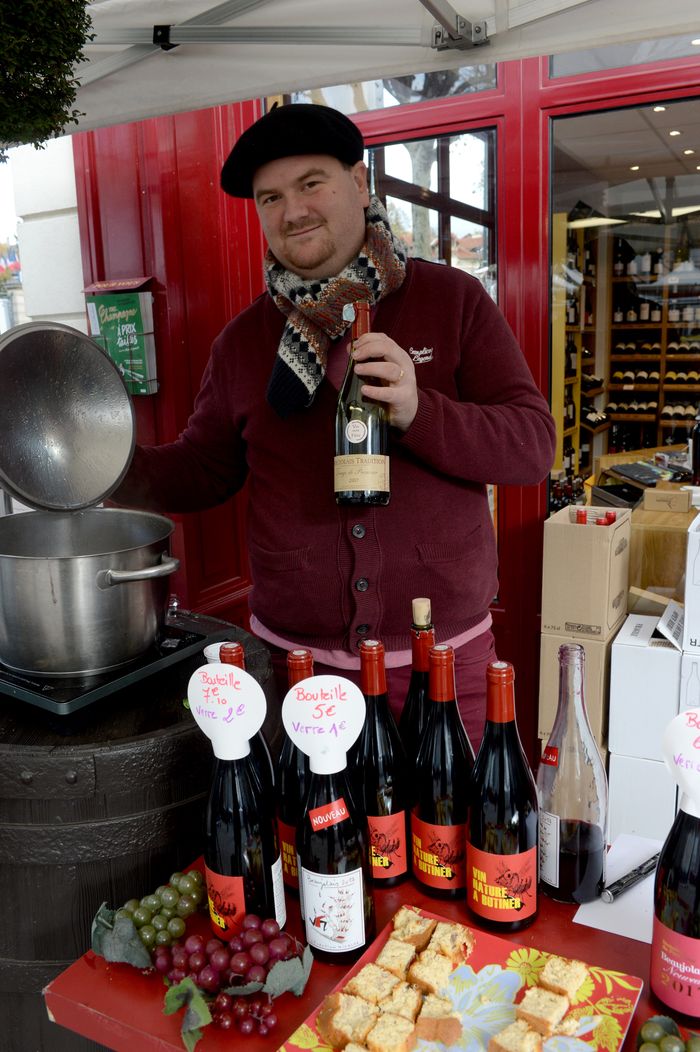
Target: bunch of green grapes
<point>161,918</point>
<point>661,1033</point>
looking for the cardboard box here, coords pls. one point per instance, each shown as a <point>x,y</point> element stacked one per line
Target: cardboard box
<point>585,574</point>
<point>659,550</point>
<point>666,498</point>
<point>691,628</point>
<point>596,680</point>
<point>644,688</point>
<point>641,797</point>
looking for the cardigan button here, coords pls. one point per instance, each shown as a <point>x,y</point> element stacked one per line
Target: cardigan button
<point>358,531</point>
<point>362,584</point>
<point>362,630</point>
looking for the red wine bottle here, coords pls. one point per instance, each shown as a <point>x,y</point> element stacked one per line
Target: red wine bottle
<point>242,859</point>
<point>443,772</point>
<point>572,792</point>
<point>502,837</point>
<point>293,780</point>
<point>414,715</point>
<point>336,898</point>
<point>232,653</point>
<point>675,946</point>
<point>361,465</point>
<point>379,758</point>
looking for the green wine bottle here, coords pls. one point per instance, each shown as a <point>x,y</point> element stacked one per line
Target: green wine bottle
<point>361,466</point>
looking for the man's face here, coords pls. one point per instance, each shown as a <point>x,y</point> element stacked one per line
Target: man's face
<point>312,212</point>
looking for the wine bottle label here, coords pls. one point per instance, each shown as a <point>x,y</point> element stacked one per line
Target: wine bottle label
<point>328,815</point>
<point>361,471</point>
<point>333,910</point>
<point>278,892</point>
<point>549,847</point>
<point>356,431</point>
<point>439,854</point>
<point>502,887</point>
<point>675,969</point>
<point>287,837</point>
<point>387,845</point>
<point>226,903</point>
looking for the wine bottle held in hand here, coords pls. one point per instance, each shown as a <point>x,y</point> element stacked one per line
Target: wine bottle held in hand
<point>572,792</point>
<point>414,715</point>
<point>293,779</point>
<point>384,785</point>
<point>361,465</point>
<point>442,787</point>
<point>502,837</point>
<point>675,945</point>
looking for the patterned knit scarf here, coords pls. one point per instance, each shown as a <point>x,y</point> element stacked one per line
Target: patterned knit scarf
<point>314,309</point>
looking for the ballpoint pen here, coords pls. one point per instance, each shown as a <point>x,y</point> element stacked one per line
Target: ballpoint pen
<point>615,889</point>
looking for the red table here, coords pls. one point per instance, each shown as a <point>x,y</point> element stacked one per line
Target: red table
<point>121,1008</point>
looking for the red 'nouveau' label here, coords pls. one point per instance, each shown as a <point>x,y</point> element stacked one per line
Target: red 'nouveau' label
<point>328,814</point>
<point>550,756</point>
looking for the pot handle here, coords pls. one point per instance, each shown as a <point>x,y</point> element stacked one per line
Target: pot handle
<point>167,565</point>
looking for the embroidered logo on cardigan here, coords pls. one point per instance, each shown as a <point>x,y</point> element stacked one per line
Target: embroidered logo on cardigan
<point>425,354</point>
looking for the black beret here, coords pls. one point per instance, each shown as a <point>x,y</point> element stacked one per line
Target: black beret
<point>288,131</point>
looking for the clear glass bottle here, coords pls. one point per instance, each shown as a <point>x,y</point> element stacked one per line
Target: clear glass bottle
<point>572,792</point>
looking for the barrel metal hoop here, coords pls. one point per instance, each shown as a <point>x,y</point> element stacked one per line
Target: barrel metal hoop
<point>28,977</point>
<point>96,841</point>
<point>36,774</point>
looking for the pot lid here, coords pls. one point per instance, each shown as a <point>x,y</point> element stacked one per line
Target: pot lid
<point>66,418</point>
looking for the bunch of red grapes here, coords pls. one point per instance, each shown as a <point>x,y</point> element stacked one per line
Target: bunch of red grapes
<point>215,965</point>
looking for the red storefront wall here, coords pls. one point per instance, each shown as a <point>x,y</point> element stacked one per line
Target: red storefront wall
<point>149,203</point>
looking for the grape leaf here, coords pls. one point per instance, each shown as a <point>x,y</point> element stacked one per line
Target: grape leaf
<point>186,994</point>
<point>116,939</point>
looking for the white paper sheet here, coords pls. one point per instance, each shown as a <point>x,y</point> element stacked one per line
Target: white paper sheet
<point>631,914</point>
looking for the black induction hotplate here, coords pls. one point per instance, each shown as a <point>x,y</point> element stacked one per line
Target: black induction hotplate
<point>180,638</point>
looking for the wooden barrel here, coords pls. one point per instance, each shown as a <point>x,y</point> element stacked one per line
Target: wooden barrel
<point>95,807</point>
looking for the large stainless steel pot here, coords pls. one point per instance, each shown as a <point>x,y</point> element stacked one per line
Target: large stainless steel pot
<point>81,592</point>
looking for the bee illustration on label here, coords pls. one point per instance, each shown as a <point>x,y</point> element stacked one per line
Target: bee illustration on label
<point>448,854</point>
<point>516,887</point>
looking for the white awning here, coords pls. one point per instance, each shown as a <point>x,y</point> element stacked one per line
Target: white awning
<point>244,49</point>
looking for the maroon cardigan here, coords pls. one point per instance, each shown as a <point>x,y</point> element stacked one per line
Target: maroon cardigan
<point>319,571</point>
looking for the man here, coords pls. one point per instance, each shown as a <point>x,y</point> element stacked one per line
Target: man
<point>463,408</point>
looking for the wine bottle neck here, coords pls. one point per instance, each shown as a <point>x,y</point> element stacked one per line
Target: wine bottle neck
<point>500,703</point>
<point>372,669</point>
<point>422,639</point>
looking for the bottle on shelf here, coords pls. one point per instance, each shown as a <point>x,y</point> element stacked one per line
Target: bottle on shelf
<point>618,262</point>
<point>361,464</point>
<point>414,715</point>
<point>573,794</point>
<point>443,771</point>
<point>232,653</point>
<point>502,833</point>
<point>293,779</point>
<point>384,789</point>
<point>334,887</point>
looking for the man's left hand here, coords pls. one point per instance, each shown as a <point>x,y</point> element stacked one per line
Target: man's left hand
<point>377,357</point>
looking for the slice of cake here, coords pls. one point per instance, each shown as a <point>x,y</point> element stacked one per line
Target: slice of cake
<point>438,1021</point>
<point>410,926</point>
<point>430,971</point>
<point>455,941</point>
<point>371,982</point>
<point>396,955</point>
<point>404,1000</point>
<point>563,975</point>
<point>392,1033</point>
<point>343,1018</point>
<point>542,1010</point>
<point>516,1038</point>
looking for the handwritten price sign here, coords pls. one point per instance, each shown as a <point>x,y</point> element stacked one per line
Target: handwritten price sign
<point>228,705</point>
<point>323,715</point>
<point>681,750</point>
